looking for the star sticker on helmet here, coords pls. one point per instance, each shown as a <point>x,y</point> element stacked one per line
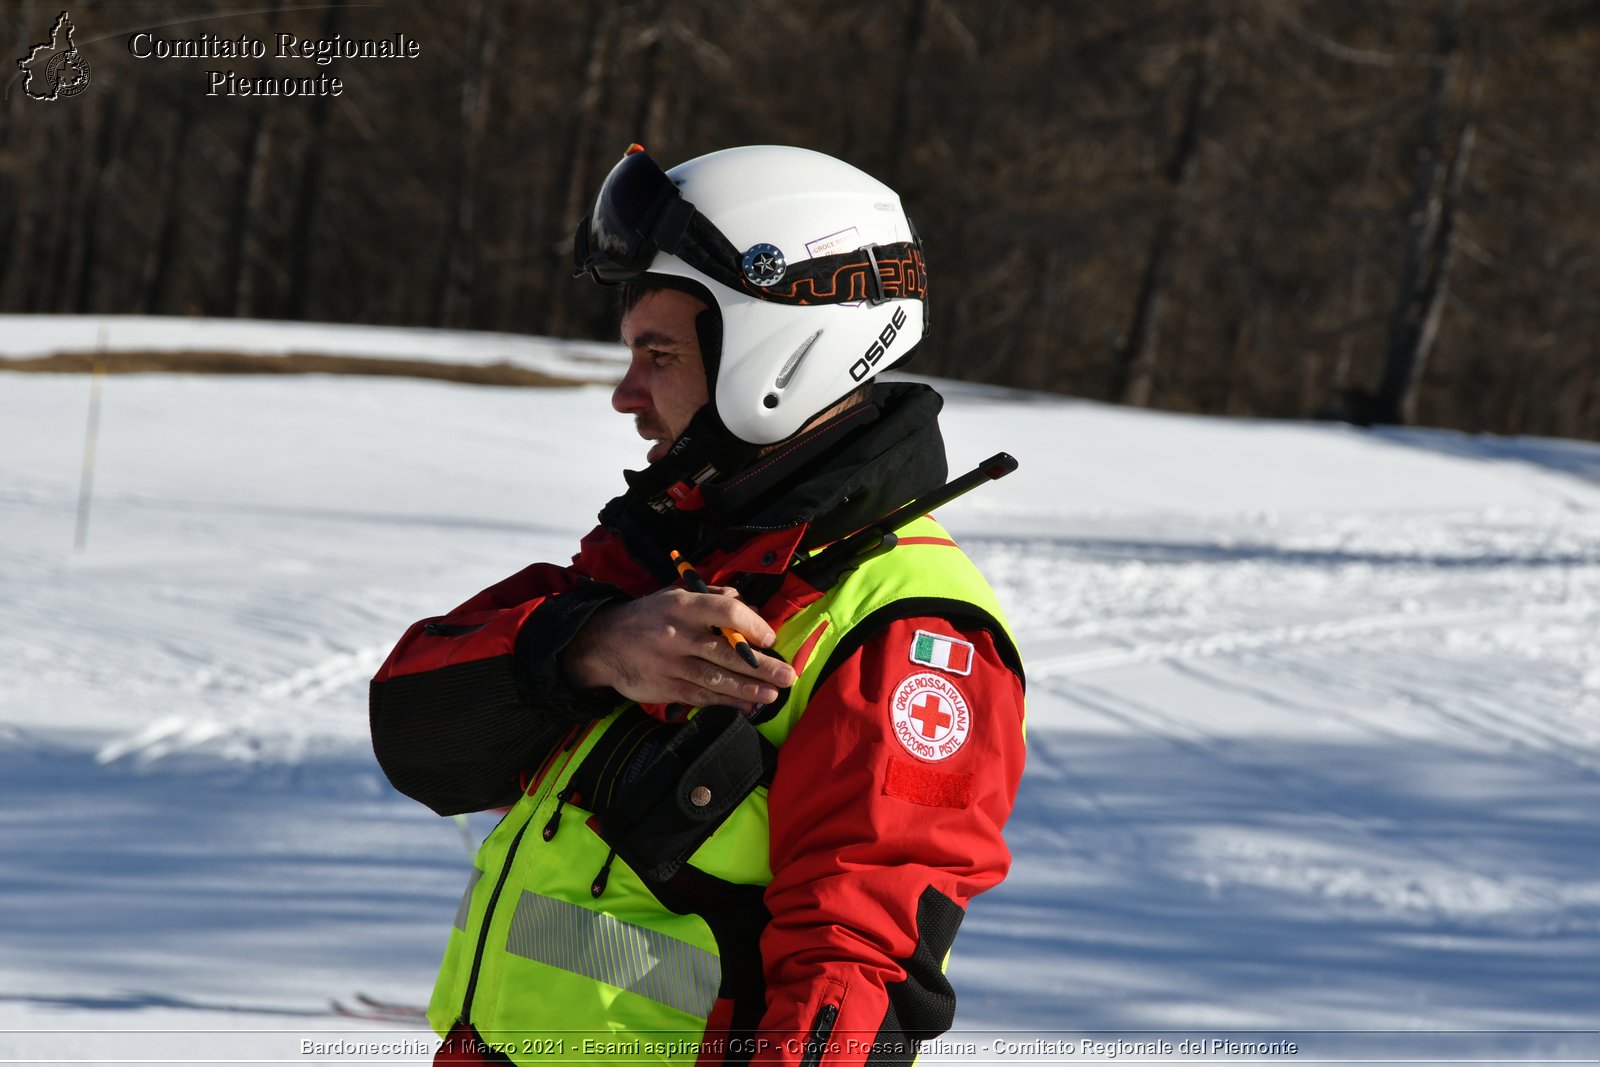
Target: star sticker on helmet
<point>764,264</point>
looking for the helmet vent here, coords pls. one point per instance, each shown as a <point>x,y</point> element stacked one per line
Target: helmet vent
<point>793,364</point>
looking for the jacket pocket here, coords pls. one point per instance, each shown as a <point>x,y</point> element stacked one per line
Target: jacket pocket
<point>658,791</point>
<point>819,1042</point>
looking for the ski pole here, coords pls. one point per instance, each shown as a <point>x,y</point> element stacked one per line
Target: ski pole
<point>880,536</point>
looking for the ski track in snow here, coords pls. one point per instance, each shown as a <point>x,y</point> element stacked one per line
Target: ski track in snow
<point>1288,770</point>
<point>1347,745</point>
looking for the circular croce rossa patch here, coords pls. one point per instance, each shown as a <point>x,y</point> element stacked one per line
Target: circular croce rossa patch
<point>930,716</point>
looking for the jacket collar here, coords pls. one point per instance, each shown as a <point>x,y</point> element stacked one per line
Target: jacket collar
<point>838,477</point>
<point>811,490</point>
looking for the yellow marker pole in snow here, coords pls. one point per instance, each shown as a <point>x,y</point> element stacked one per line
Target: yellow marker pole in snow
<point>90,438</point>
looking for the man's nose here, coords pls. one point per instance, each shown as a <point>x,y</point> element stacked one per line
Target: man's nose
<point>630,397</point>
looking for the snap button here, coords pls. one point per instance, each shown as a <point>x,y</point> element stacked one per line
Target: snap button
<point>769,559</point>
<point>699,796</point>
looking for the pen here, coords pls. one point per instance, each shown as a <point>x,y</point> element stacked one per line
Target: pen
<point>697,584</point>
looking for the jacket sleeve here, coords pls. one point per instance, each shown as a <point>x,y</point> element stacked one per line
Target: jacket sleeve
<point>886,817</point>
<point>469,700</point>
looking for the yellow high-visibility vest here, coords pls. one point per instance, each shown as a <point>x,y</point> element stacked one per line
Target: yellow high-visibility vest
<point>546,969</point>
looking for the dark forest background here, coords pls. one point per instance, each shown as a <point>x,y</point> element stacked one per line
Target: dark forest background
<point>1379,210</point>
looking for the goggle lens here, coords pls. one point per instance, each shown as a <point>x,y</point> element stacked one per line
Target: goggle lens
<point>616,242</point>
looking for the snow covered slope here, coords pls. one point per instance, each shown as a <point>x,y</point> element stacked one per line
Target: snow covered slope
<point>1314,718</point>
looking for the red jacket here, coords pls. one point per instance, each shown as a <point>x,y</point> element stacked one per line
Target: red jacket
<point>875,852</point>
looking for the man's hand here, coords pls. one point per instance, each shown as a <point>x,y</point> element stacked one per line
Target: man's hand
<point>666,649</point>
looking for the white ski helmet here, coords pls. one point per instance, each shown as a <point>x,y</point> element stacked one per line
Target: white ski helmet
<point>812,267</point>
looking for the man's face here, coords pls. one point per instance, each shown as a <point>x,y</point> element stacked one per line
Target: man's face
<point>666,380</point>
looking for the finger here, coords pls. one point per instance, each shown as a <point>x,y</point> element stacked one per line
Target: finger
<point>735,614</point>
<point>769,668</point>
<point>774,670</point>
<point>716,647</point>
<point>713,685</point>
<point>693,695</point>
<point>744,624</point>
<point>736,678</point>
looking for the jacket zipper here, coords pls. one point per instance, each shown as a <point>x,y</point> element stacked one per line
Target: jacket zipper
<point>488,916</point>
<point>575,739</point>
<point>450,629</point>
<point>816,1041</point>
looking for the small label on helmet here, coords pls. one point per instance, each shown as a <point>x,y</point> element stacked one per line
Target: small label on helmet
<point>843,241</point>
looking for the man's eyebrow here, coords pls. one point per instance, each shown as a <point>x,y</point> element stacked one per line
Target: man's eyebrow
<point>654,339</point>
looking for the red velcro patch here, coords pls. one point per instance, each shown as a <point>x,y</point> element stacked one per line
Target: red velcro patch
<point>927,786</point>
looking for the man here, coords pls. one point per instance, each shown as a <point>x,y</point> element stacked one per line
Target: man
<point>716,853</point>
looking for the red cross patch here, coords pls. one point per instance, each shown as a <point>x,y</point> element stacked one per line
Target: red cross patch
<point>930,717</point>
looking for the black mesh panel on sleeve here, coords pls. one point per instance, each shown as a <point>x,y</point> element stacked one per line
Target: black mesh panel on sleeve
<point>457,738</point>
<point>923,1005</point>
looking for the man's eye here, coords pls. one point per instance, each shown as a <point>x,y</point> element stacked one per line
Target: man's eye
<point>660,358</point>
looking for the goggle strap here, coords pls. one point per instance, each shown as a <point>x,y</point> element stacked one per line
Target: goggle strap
<point>675,217</point>
<point>874,274</point>
<point>704,247</point>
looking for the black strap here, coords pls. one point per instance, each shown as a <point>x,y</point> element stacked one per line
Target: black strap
<point>882,272</point>
<point>873,274</point>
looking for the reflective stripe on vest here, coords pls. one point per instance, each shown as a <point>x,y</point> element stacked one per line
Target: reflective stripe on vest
<point>595,945</point>
<point>466,901</point>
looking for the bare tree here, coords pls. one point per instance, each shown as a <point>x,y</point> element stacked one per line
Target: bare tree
<point>899,134</point>
<point>161,262</point>
<point>302,230</point>
<point>1137,361</point>
<point>239,270</point>
<point>457,253</point>
<point>598,40</point>
<point>1430,233</point>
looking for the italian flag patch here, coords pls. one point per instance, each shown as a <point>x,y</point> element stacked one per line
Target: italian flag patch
<point>946,653</point>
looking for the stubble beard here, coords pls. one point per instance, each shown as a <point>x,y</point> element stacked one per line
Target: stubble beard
<point>653,431</point>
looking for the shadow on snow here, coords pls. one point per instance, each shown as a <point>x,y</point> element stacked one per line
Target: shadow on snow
<point>1287,884</point>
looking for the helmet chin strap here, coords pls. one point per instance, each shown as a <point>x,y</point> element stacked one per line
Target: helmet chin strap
<point>705,451</point>
<point>708,330</point>
<point>664,506</point>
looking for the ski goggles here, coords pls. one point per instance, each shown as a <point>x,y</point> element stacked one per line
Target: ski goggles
<point>640,212</point>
